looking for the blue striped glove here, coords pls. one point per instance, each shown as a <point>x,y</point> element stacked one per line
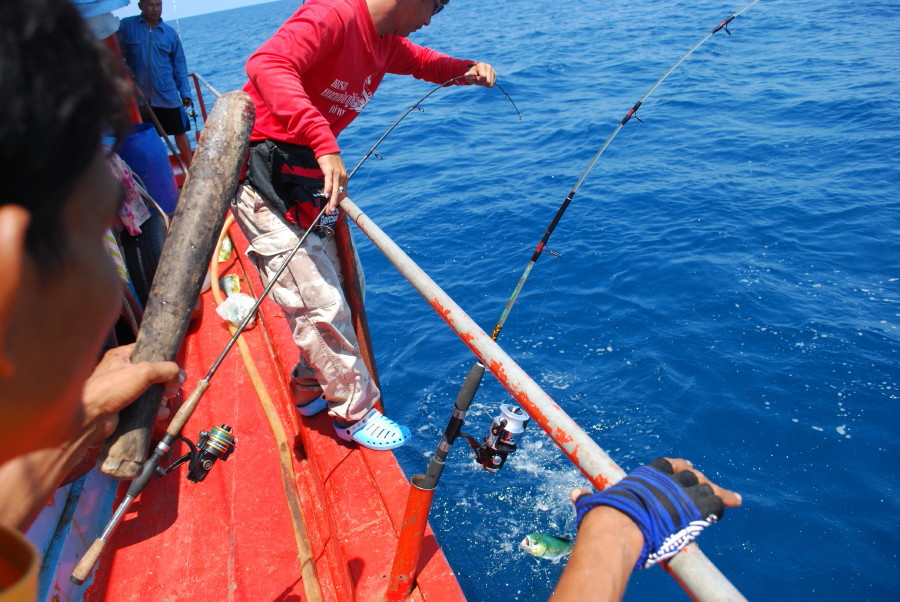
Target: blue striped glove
<point>670,509</point>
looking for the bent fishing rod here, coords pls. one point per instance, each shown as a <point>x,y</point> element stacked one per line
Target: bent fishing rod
<point>476,373</point>
<point>204,383</point>
<point>315,221</point>
<point>219,443</point>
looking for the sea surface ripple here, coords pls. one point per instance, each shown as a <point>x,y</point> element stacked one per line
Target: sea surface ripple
<point>727,289</point>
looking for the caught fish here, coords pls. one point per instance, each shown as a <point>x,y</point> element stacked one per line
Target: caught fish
<point>230,284</point>
<point>226,249</point>
<point>541,545</point>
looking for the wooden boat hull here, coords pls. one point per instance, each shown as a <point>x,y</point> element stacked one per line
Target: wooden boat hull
<point>231,536</point>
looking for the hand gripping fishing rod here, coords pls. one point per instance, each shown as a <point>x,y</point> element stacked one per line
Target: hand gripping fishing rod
<point>489,454</point>
<point>151,466</point>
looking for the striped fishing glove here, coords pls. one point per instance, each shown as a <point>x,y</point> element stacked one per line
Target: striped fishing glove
<point>670,509</point>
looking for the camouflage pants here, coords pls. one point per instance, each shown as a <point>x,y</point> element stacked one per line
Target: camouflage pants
<point>309,292</point>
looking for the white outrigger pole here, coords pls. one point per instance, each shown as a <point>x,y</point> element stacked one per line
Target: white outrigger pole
<point>690,567</point>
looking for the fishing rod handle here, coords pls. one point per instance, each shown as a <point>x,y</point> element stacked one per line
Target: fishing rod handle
<point>187,408</point>
<point>148,470</point>
<point>86,564</point>
<point>469,387</point>
<point>454,427</point>
<point>89,560</point>
<point>463,401</point>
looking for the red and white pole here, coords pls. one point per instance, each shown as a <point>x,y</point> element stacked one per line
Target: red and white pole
<point>690,567</point>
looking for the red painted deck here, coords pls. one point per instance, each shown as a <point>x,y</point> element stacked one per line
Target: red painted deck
<point>230,537</point>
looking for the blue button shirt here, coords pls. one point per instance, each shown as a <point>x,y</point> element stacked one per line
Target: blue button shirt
<point>156,60</point>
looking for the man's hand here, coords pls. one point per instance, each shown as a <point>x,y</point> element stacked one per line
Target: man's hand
<point>669,501</point>
<point>648,516</point>
<point>187,102</point>
<point>116,382</point>
<point>27,482</point>
<point>481,74</point>
<point>335,188</point>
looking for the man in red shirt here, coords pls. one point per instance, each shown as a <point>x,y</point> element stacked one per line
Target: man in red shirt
<point>308,82</point>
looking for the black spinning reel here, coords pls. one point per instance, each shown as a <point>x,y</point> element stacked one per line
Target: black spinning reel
<point>217,444</point>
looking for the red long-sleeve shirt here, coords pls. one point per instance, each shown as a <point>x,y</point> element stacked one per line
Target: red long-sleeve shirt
<point>314,76</point>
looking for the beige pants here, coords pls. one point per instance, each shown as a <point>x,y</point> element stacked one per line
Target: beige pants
<point>309,291</point>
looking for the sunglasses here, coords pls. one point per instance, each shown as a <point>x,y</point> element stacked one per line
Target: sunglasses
<point>439,6</point>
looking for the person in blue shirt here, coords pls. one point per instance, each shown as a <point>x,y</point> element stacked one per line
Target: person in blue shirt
<point>153,52</point>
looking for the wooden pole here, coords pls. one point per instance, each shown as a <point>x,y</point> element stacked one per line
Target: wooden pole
<point>305,558</point>
<point>207,192</point>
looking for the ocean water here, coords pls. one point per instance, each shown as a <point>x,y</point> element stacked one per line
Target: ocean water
<point>728,283</point>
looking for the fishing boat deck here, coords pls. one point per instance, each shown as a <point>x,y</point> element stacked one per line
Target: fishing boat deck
<point>231,536</point>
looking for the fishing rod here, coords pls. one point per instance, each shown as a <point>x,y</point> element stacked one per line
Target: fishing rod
<point>219,443</point>
<point>416,106</point>
<point>160,130</point>
<point>488,454</point>
<point>511,422</point>
<point>316,219</point>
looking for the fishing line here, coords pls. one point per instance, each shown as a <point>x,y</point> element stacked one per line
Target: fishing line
<point>628,116</point>
<point>416,106</point>
<point>676,83</point>
<point>177,21</point>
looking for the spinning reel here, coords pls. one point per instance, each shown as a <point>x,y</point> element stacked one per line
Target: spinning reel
<point>500,441</point>
<point>217,444</point>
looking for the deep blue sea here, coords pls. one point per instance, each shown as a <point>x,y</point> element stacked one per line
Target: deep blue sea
<point>729,282</point>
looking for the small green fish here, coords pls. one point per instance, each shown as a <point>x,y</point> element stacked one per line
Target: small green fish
<point>230,284</point>
<point>541,545</point>
<point>226,249</point>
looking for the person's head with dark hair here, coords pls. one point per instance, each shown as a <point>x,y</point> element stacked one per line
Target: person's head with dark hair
<point>58,97</point>
<point>59,292</point>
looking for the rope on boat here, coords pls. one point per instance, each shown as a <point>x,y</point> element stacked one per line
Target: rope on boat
<point>288,478</point>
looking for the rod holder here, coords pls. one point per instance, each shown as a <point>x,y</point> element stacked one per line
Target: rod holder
<point>409,546</point>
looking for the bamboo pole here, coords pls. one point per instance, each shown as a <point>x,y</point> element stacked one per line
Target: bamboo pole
<point>306,560</point>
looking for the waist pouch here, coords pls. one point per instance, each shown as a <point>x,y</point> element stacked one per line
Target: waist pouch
<point>288,176</point>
